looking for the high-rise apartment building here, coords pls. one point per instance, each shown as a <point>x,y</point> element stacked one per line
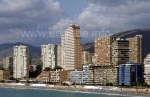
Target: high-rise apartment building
<point>86,57</point>
<point>120,52</point>
<point>59,55</point>
<point>135,44</point>
<point>103,51</point>
<point>48,56</point>
<point>8,63</point>
<point>21,61</point>
<point>147,69</point>
<point>71,48</point>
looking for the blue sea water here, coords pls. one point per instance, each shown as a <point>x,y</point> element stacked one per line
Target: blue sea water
<point>12,92</point>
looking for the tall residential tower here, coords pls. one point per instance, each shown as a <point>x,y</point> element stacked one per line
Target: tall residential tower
<point>71,48</point>
<point>21,61</point>
<point>120,52</point>
<point>48,56</point>
<point>103,51</point>
<point>135,44</point>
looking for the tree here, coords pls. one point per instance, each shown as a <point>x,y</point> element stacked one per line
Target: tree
<point>39,68</point>
<point>1,68</point>
<point>37,72</point>
<point>47,69</point>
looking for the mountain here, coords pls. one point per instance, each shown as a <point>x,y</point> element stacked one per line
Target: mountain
<point>7,50</point>
<point>88,47</point>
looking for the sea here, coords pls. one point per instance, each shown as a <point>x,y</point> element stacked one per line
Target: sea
<point>17,92</point>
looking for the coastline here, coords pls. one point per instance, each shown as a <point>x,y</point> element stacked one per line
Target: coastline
<point>102,91</point>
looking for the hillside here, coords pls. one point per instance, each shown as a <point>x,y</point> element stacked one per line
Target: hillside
<point>7,50</point>
<point>88,47</point>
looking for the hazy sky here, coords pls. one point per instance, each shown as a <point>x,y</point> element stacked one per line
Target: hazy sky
<point>43,21</point>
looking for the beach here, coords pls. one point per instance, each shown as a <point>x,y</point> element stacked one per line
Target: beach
<point>83,89</point>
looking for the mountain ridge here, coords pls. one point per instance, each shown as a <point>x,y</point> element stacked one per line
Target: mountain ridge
<point>6,49</point>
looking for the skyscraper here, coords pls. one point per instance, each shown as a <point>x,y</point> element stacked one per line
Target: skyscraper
<point>21,61</point>
<point>120,52</point>
<point>103,51</point>
<point>59,55</point>
<point>86,57</point>
<point>71,48</point>
<point>48,56</point>
<point>8,63</point>
<point>135,44</point>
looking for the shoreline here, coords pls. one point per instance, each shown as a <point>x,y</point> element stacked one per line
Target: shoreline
<point>74,89</point>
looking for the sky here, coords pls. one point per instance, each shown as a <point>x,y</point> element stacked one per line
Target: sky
<point>39,22</point>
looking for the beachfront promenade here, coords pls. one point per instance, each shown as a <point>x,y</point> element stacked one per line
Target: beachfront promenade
<point>86,89</point>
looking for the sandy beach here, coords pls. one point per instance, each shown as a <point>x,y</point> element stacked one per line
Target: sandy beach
<point>98,90</point>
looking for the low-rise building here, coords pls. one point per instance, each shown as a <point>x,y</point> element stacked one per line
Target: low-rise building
<point>80,77</point>
<point>58,76</point>
<point>64,76</point>
<point>103,75</point>
<point>147,69</point>
<point>130,74</point>
<point>43,77</point>
<point>55,76</point>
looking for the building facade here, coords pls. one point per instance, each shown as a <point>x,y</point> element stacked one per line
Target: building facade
<point>21,62</point>
<point>103,51</point>
<point>86,57</point>
<point>130,74</point>
<point>48,56</point>
<point>80,77</point>
<point>4,75</point>
<point>59,55</point>
<point>147,69</point>
<point>103,75</point>
<point>120,52</point>
<point>54,76</point>
<point>8,63</point>
<point>71,48</point>
<point>135,44</point>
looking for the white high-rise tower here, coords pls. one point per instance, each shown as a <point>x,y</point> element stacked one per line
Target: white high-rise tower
<point>48,56</point>
<point>21,61</point>
<point>71,48</point>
